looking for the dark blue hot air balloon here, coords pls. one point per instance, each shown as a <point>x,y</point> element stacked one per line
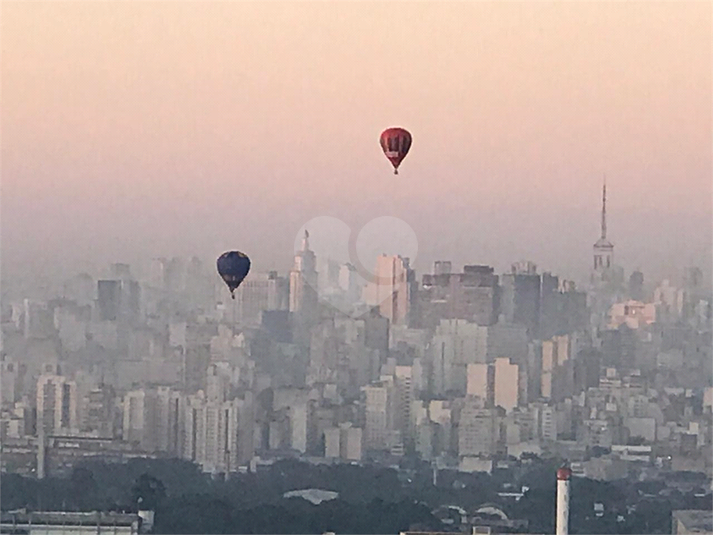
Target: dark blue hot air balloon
<point>233,267</point>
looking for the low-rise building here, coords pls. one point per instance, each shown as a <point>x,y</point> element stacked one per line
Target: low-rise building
<point>66,523</point>
<point>691,521</point>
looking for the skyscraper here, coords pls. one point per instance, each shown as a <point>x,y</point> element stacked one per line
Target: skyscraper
<point>259,292</point>
<point>507,384</point>
<point>139,418</point>
<point>403,382</point>
<point>605,274</point>
<point>56,405</point>
<point>603,248</point>
<point>349,282</point>
<point>455,344</point>
<point>218,435</point>
<point>303,283</point>
<point>479,382</point>
<point>98,411</point>
<point>472,295</point>
<point>520,298</point>
<point>379,413</point>
<point>606,279</point>
<point>118,300</point>
<point>479,430</point>
<point>392,289</point>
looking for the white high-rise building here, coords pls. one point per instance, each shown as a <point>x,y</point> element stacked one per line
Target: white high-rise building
<point>455,344</point>
<point>298,405</point>
<point>10,381</point>
<point>546,418</point>
<point>332,448</point>
<point>556,377</point>
<point>478,381</point>
<point>349,282</point>
<point>211,447</point>
<point>507,384</point>
<point>403,381</point>
<point>299,425</point>
<point>154,418</point>
<point>303,280</point>
<point>217,384</point>
<point>350,443</point>
<point>343,442</point>
<point>139,419</point>
<point>56,405</point>
<point>549,362</point>
<point>479,431</point>
<point>97,411</point>
<point>169,420</point>
<point>219,435</point>
<point>440,414</point>
<point>391,290</point>
<point>260,292</point>
<point>379,413</point>
<point>566,347</point>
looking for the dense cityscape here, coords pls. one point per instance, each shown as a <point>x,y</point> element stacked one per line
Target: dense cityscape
<point>438,379</point>
<point>356,268</point>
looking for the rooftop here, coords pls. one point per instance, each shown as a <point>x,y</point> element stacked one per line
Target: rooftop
<point>603,243</point>
<point>69,518</point>
<point>694,521</point>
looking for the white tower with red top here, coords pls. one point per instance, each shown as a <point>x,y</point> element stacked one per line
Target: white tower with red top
<point>563,476</point>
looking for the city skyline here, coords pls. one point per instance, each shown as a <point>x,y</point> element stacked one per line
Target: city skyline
<point>356,267</point>
<point>337,247</point>
<point>142,130</point>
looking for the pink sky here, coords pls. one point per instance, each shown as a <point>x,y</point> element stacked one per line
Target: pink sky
<point>138,129</point>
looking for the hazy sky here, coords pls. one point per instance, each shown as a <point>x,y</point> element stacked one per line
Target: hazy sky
<point>137,129</point>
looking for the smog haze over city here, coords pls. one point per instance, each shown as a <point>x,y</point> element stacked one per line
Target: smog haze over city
<point>391,266</point>
<point>186,128</point>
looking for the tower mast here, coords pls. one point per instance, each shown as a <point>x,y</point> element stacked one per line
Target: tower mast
<point>604,208</point>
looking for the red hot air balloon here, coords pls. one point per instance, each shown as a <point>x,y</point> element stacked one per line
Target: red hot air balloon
<point>395,142</point>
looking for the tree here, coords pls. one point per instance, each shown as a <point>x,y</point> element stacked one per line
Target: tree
<point>148,492</point>
<point>84,489</point>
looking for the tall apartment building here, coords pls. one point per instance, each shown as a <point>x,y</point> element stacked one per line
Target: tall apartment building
<point>473,295</point>
<point>219,436</point>
<point>343,442</point>
<point>303,280</point>
<point>480,432</point>
<point>260,292</point>
<point>508,387</point>
<point>118,300</point>
<point>480,380</point>
<point>520,297</point>
<point>393,289</point>
<point>98,411</point>
<point>455,344</point>
<point>380,413</point>
<point>57,405</point>
<point>404,391</point>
